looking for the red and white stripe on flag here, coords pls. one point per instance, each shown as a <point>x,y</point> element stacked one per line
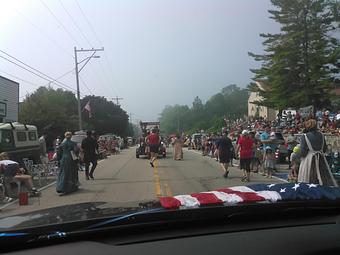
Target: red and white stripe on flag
<point>227,196</point>
<point>88,109</point>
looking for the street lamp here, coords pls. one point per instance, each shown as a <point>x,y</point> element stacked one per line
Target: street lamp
<point>77,74</point>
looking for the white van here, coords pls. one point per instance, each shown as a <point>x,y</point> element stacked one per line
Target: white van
<point>19,141</point>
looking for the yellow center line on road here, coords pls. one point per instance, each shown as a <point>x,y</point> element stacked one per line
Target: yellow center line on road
<point>158,189</point>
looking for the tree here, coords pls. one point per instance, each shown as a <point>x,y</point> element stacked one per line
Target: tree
<point>107,117</point>
<point>230,102</point>
<point>301,62</point>
<point>53,111</point>
<point>175,118</point>
<point>197,105</point>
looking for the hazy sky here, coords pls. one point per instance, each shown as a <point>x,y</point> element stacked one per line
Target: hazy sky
<point>157,52</point>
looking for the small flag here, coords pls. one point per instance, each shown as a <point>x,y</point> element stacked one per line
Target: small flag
<point>88,109</point>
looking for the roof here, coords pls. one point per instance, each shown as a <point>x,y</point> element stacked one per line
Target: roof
<point>17,126</point>
<point>262,84</point>
<point>9,80</point>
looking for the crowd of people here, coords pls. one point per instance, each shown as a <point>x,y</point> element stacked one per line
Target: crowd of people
<point>252,141</point>
<point>70,156</point>
<point>255,143</point>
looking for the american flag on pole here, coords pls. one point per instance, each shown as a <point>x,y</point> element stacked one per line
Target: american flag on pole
<point>251,194</point>
<point>88,109</point>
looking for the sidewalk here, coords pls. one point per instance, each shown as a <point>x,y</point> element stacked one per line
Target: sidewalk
<point>48,195</point>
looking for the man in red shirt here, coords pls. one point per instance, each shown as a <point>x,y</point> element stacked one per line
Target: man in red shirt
<point>153,140</point>
<point>245,146</point>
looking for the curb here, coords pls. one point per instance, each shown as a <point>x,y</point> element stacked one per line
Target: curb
<point>40,189</point>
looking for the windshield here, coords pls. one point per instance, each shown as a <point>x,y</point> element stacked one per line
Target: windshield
<point>135,101</point>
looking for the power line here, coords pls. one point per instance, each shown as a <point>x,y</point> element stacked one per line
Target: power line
<point>117,99</point>
<point>108,78</point>
<point>59,22</point>
<point>43,33</point>
<point>53,80</point>
<point>96,36</point>
<point>75,23</point>
<point>88,89</point>
<point>89,23</point>
<point>20,79</point>
<point>82,33</point>
<point>36,85</point>
<point>63,75</point>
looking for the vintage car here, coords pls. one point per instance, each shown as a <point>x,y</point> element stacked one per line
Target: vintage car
<point>19,141</point>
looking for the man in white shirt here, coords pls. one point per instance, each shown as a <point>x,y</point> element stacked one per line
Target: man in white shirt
<point>12,172</point>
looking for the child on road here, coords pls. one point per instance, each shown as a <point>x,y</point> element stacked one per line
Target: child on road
<point>269,161</point>
<point>295,164</point>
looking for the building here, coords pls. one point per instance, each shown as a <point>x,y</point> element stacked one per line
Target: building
<point>257,110</point>
<point>9,100</point>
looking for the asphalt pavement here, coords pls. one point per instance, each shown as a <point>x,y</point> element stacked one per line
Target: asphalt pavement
<point>124,179</point>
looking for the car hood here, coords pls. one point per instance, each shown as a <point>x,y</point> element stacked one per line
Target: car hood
<point>72,213</point>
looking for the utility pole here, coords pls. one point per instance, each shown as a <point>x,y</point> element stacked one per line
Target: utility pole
<point>130,116</point>
<point>77,74</point>
<point>117,99</point>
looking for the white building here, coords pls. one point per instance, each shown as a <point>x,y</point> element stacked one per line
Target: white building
<point>9,100</point>
<point>257,110</point>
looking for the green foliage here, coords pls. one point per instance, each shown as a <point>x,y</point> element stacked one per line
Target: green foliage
<point>107,117</point>
<point>231,102</point>
<point>55,111</point>
<point>50,110</point>
<point>301,62</point>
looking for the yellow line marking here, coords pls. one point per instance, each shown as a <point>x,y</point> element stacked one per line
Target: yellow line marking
<point>158,190</point>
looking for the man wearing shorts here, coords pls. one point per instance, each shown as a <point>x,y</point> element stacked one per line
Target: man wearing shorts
<point>153,140</point>
<point>224,147</point>
<point>245,147</point>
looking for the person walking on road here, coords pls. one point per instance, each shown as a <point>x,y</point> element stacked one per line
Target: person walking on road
<point>245,148</point>
<point>67,181</point>
<point>314,167</point>
<point>90,148</point>
<point>43,150</point>
<point>177,148</point>
<point>153,140</point>
<point>269,161</point>
<point>225,148</point>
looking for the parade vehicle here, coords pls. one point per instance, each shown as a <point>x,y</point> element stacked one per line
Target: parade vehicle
<point>196,140</point>
<point>142,147</point>
<point>20,141</point>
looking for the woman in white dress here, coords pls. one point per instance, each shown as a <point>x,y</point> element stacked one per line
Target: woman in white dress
<point>177,148</point>
<point>314,167</point>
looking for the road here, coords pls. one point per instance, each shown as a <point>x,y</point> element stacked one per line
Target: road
<point>124,179</point>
